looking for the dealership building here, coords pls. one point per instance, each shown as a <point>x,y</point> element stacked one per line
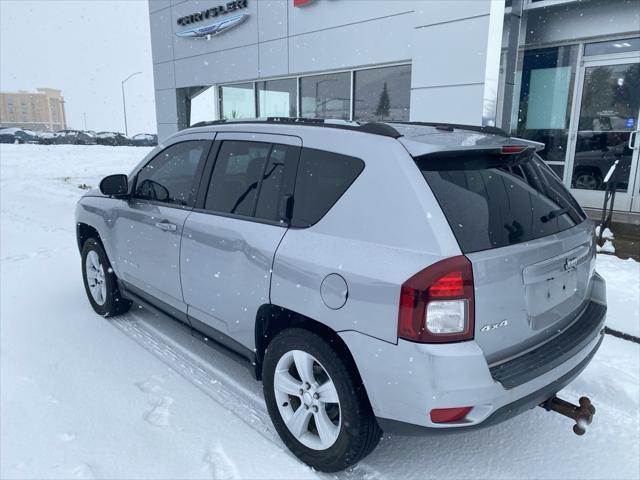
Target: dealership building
<point>562,72</point>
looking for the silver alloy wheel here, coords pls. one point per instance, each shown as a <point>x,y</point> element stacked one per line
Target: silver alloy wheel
<point>95,277</point>
<point>307,400</point>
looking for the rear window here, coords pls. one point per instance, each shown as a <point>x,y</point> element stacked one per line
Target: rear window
<point>492,201</point>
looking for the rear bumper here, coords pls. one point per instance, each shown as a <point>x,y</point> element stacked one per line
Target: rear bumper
<point>406,381</point>
<point>500,415</point>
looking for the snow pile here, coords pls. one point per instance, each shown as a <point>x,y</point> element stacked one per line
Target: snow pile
<point>606,234</point>
<point>139,397</point>
<point>606,248</point>
<point>623,293</point>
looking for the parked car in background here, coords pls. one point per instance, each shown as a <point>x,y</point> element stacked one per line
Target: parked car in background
<point>595,156</point>
<point>114,139</point>
<point>73,137</point>
<point>18,135</point>
<point>46,138</point>
<point>6,137</point>
<point>144,140</point>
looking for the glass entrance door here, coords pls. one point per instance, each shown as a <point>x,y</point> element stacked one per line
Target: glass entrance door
<point>604,130</point>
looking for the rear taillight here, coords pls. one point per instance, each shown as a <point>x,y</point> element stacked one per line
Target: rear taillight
<point>436,304</point>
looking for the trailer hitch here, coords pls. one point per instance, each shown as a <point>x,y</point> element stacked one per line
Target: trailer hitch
<point>582,414</point>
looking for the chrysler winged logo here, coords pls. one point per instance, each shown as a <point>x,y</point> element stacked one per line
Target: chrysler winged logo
<point>217,18</point>
<point>216,28</point>
<point>571,263</point>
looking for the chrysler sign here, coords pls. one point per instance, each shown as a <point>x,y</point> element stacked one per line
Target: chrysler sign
<point>219,22</point>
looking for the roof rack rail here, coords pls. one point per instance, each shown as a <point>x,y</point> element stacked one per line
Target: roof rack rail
<point>451,126</point>
<point>303,120</point>
<point>207,123</point>
<point>374,128</point>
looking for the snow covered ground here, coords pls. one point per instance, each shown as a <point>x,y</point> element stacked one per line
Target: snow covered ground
<point>138,397</point>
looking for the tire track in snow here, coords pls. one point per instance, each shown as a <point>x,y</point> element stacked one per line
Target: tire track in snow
<point>218,385</point>
<point>214,383</point>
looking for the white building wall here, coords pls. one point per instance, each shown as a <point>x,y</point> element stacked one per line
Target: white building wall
<point>453,46</point>
<point>279,39</point>
<point>456,61</point>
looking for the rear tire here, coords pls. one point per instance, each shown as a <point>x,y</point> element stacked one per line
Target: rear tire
<point>100,281</point>
<point>346,430</point>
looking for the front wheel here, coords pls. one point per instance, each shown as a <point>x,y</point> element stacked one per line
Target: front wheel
<point>100,281</point>
<point>316,402</point>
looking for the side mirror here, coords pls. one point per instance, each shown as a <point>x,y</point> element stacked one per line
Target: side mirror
<point>115,185</point>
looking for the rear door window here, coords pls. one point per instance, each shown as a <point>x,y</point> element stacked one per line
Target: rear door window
<point>492,201</point>
<point>236,176</point>
<point>322,179</point>
<point>277,181</point>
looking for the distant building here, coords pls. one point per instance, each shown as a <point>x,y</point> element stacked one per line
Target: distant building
<point>42,110</point>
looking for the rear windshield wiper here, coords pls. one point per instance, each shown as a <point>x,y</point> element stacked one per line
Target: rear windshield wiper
<point>553,214</point>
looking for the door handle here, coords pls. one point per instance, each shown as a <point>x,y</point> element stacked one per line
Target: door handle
<point>166,226</point>
<point>632,140</point>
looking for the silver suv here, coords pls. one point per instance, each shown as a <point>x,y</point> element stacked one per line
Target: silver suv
<point>397,277</point>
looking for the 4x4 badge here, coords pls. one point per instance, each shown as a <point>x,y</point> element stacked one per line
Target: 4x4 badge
<point>571,263</point>
<point>494,326</point>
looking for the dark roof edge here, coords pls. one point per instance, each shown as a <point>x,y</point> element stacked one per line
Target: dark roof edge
<point>375,128</point>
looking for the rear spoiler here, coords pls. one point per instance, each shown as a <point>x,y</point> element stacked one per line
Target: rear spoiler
<point>508,145</point>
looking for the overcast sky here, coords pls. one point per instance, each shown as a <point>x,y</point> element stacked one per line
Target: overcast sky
<point>84,48</point>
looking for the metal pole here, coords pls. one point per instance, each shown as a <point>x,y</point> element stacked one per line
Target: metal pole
<point>124,107</point>
<point>124,103</point>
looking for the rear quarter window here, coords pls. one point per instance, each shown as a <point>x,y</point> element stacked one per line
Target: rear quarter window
<point>322,179</point>
<point>491,201</point>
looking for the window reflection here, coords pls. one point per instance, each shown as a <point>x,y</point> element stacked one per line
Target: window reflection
<point>612,46</point>
<point>202,106</point>
<point>237,101</point>
<point>382,94</point>
<point>277,98</point>
<point>326,96</point>
<point>608,115</point>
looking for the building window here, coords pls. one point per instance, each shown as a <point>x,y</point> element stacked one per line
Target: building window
<point>237,101</point>
<point>326,96</point>
<point>202,106</point>
<point>382,94</point>
<point>613,46</point>
<point>547,82</point>
<point>277,98</point>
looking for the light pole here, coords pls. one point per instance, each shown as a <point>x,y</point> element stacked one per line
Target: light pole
<point>124,103</point>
